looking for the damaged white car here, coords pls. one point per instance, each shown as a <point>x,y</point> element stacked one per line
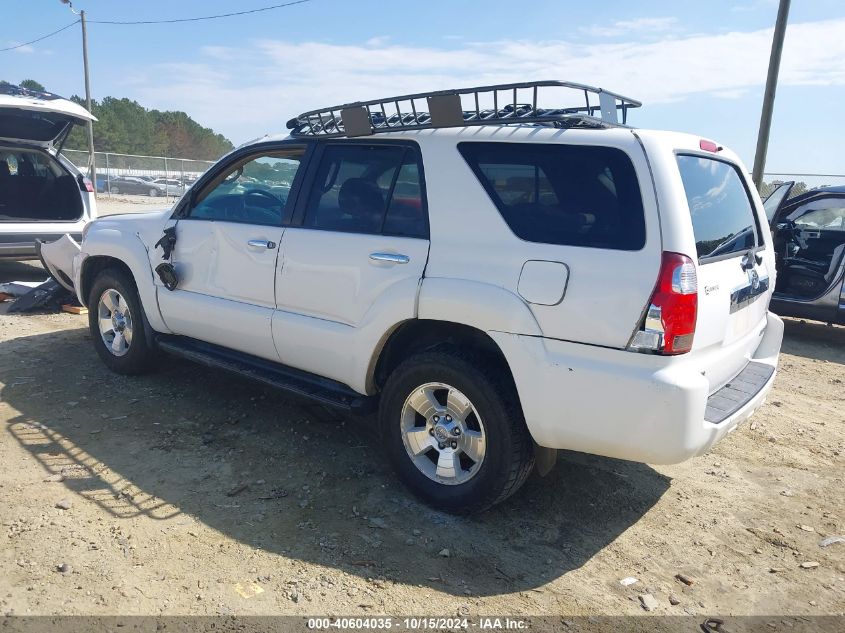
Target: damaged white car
<point>42,194</point>
<point>499,282</point>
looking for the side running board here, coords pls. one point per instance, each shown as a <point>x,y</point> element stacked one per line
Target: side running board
<point>296,381</point>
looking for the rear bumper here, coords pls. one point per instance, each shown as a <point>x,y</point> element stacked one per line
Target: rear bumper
<point>632,406</point>
<point>22,245</point>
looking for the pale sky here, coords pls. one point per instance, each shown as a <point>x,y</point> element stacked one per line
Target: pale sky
<point>698,67</point>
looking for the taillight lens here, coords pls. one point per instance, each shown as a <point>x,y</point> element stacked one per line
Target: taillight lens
<point>669,324</point>
<point>89,186</point>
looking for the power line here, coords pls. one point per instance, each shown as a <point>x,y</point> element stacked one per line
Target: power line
<point>43,37</point>
<point>205,17</point>
<point>197,19</point>
<point>775,173</point>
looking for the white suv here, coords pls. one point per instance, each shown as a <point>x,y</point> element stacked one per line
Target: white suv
<point>500,282</point>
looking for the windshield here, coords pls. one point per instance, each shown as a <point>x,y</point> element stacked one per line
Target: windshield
<point>772,203</point>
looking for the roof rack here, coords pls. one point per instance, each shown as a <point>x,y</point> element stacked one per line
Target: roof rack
<point>501,104</point>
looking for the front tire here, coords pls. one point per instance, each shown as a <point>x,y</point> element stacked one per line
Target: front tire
<point>454,431</point>
<point>153,193</point>
<point>116,322</point>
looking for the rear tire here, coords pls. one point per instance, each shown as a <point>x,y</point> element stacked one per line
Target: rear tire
<point>116,321</point>
<point>153,193</point>
<point>114,190</point>
<point>462,470</point>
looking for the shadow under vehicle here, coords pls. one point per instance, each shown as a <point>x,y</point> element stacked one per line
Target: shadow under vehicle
<point>178,439</point>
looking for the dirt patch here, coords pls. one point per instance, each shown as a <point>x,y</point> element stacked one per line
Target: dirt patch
<point>109,205</point>
<point>188,491</point>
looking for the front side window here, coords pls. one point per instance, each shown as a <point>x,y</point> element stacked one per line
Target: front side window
<point>367,189</point>
<point>562,194</point>
<point>252,191</point>
<point>722,216</point>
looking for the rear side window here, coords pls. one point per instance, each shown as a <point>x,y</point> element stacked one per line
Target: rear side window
<point>368,189</point>
<point>562,194</point>
<point>722,216</point>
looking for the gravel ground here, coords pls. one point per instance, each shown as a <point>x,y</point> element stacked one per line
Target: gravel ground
<point>188,491</point>
<point>109,205</point>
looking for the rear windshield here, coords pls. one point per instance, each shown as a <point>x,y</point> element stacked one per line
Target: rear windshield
<point>30,126</point>
<point>722,216</point>
<point>562,194</point>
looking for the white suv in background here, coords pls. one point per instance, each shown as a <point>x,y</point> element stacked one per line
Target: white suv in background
<point>500,282</point>
<point>42,194</point>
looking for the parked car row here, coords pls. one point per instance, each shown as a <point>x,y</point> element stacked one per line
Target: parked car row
<point>142,185</point>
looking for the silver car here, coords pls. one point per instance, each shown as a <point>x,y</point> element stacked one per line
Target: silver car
<point>42,194</point>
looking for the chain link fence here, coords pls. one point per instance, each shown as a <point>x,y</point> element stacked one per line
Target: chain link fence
<point>151,176</point>
<point>160,176</point>
<point>803,182</point>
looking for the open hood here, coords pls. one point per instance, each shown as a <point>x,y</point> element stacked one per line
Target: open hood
<point>37,118</point>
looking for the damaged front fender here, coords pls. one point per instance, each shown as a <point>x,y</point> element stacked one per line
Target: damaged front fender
<point>57,258</point>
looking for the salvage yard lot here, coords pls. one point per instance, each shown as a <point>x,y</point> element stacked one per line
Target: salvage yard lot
<point>190,491</point>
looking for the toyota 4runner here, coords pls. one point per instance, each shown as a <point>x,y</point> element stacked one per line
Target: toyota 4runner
<point>500,277</point>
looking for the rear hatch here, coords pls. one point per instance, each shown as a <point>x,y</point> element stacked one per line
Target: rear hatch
<point>736,268</point>
<point>38,118</point>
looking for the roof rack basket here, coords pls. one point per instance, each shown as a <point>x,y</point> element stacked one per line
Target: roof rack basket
<point>502,104</point>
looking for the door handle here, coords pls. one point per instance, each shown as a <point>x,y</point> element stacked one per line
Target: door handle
<point>261,244</point>
<point>393,258</point>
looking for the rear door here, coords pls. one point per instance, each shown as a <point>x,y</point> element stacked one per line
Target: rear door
<point>735,265</point>
<point>351,265</point>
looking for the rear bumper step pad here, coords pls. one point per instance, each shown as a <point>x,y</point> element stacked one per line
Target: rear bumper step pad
<point>739,391</point>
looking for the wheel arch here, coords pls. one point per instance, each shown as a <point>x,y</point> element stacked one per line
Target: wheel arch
<point>112,248</point>
<point>96,264</point>
<point>453,312</point>
<point>93,266</point>
<point>419,335</point>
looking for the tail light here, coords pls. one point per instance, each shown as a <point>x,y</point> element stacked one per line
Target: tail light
<point>709,146</point>
<point>86,184</point>
<point>669,323</point>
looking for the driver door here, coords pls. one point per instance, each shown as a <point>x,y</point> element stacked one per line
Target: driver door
<point>227,246</point>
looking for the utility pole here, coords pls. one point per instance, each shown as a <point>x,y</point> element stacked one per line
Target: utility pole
<point>769,95</point>
<point>92,168</point>
<point>91,163</point>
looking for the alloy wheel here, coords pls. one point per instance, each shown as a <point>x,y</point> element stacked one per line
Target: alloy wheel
<point>443,433</point>
<point>115,321</point>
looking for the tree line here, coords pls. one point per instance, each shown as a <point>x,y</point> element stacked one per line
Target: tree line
<point>126,127</point>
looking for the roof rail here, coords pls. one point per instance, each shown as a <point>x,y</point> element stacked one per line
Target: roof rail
<point>501,104</point>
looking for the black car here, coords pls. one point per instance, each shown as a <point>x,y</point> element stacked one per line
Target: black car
<point>809,238</point>
<point>133,185</point>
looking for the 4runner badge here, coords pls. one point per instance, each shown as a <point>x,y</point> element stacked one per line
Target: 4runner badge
<point>710,289</point>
